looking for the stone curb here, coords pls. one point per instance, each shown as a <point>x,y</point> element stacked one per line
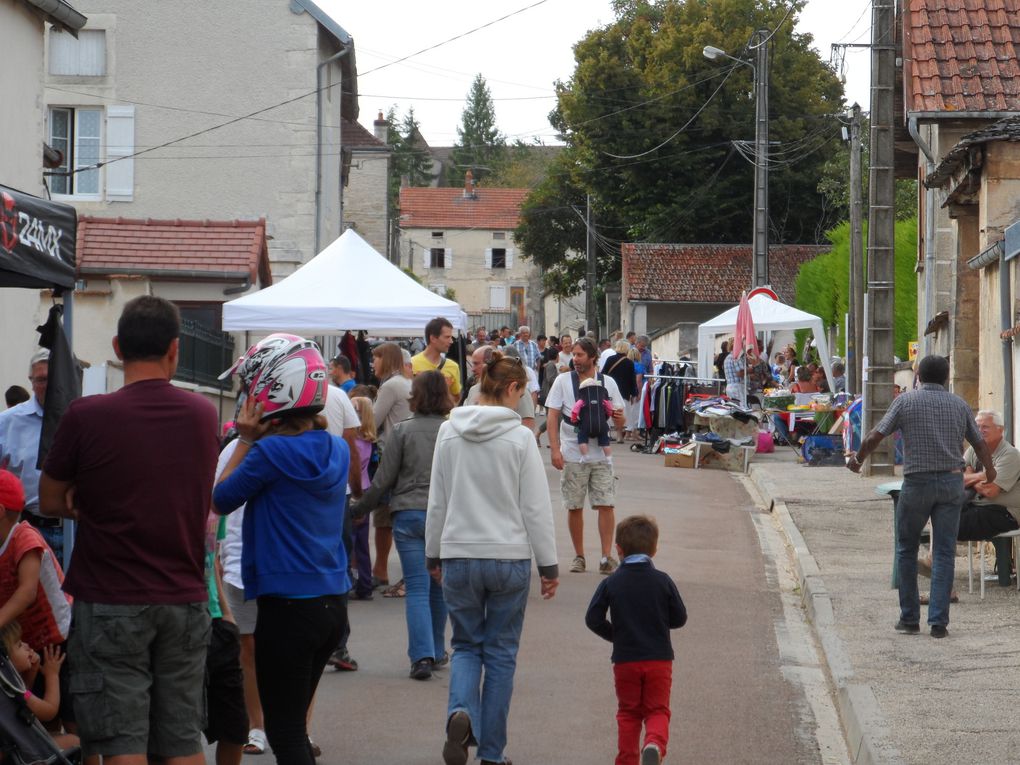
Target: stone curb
<point>863,722</point>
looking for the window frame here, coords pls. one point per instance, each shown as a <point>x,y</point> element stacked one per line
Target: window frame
<point>495,264</point>
<point>71,155</point>
<point>437,257</point>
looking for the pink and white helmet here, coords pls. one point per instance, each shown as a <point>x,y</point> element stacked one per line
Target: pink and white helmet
<point>284,373</point>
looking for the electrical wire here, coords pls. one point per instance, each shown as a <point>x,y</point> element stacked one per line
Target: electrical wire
<point>773,32</point>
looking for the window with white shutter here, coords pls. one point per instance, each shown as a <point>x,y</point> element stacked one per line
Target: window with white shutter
<point>488,257</point>
<point>498,258</point>
<point>120,145</point>
<point>497,296</point>
<point>437,258</point>
<point>83,57</point>
<point>426,258</point>
<point>448,258</point>
<point>509,258</point>
<point>77,134</point>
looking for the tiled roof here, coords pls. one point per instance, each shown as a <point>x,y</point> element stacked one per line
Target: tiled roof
<point>187,249</point>
<point>961,56</point>
<point>707,273</point>
<point>355,136</point>
<point>449,208</point>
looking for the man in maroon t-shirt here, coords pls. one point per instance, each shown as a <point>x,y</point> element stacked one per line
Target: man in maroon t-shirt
<point>135,469</point>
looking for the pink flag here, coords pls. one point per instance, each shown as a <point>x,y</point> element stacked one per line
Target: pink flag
<point>744,337</point>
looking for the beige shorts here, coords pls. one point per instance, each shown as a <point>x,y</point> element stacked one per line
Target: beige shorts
<point>592,479</point>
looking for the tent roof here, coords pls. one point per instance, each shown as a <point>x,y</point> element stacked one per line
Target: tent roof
<point>346,286</point>
<point>766,313</point>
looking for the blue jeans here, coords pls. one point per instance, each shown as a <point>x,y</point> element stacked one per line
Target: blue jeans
<point>424,604</point>
<point>486,599</point>
<point>938,496</point>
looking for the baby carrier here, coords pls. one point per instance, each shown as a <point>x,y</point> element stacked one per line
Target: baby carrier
<point>23,739</point>
<point>592,407</point>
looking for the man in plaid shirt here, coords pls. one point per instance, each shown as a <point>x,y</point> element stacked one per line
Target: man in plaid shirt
<point>934,423</point>
<point>527,347</point>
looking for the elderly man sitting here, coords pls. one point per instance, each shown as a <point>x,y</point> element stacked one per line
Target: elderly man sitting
<point>991,508</point>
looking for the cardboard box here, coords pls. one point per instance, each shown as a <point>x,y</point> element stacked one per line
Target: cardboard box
<point>680,460</point>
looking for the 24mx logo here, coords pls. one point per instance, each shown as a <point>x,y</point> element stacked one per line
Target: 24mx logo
<point>17,226</point>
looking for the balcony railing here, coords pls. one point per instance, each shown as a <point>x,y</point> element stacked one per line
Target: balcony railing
<point>204,354</point>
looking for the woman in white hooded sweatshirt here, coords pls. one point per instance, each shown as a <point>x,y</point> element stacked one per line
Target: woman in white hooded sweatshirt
<point>480,536</point>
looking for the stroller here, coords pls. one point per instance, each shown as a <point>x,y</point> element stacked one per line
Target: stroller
<point>23,739</point>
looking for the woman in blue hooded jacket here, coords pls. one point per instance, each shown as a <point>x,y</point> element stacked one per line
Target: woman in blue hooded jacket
<point>292,474</point>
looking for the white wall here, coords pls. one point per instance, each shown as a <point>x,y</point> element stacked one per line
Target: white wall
<point>195,64</point>
<point>366,197</point>
<point>21,137</point>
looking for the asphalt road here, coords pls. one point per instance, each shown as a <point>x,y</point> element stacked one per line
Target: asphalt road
<point>731,702</point>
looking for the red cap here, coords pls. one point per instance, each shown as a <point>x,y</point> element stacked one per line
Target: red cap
<point>12,493</point>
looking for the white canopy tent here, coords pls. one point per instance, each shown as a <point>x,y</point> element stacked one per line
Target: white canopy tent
<point>346,286</point>
<point>768,315</point>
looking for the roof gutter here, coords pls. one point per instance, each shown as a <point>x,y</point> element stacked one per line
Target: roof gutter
<point>168,273</point>
<point>947,115</point>
<point>984,259</point>
<point>929,231</point>
<point>61,14</point>
<point>318,142</point>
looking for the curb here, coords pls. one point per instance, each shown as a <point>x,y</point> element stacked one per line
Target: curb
<point>863,722</point>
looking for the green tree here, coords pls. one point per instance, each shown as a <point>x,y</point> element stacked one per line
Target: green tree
<point>823,284</point>
<point>409,160</point>
<point>480,146</point>
<point>653,125</point>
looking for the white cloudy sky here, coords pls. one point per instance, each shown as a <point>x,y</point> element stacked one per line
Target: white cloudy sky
<point>520,57</point>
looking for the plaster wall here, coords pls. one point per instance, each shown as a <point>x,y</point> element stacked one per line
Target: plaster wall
<point>21,133</point>
<point>467,274</point>
<point>189,66</point>
<point>366,198</point>
<point>563,316</point>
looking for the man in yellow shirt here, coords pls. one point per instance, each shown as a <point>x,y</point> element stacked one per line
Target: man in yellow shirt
<point>438,339</point>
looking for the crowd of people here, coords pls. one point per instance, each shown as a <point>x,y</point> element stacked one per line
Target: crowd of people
<point>210,578</point>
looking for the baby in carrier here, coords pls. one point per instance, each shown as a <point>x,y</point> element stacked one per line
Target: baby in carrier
<point>591,414</point>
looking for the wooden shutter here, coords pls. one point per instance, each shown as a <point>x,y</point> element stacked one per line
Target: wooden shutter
<point>426,258</point>
<point>488,257</point>
<point>120,142</point>
<point>509,258</point>
<point>448,258</point>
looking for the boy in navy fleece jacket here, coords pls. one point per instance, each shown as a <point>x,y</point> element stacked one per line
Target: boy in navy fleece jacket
<point>643,605</point>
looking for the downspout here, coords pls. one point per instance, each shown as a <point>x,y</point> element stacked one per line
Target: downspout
<point>1006,323</point>
<point>318,142</point>
<point>929,233</point>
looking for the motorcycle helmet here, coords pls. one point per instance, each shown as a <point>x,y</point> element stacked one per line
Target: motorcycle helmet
<point>285,373</point>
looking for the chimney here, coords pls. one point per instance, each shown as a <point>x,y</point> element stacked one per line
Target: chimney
<point>381,128</point>
<point>469,185</point>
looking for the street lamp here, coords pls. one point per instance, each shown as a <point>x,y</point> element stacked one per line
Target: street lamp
<point>760,236</point>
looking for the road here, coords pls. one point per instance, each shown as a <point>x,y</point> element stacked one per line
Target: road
<point>738,690</point>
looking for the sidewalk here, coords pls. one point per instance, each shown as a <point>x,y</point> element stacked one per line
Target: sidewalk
<point>903,699</point>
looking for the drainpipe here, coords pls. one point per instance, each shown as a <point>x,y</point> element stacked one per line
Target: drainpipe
<point>929,234</point>
<point>318,141</point>
<point>1006,322</point>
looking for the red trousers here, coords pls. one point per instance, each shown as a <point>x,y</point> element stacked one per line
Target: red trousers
<point>642,691</point>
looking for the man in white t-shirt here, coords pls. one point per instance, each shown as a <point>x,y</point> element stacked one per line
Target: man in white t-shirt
<point>342,420</point>
<point>594,476</point>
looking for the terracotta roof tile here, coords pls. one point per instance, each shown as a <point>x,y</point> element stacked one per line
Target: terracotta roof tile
<point>962,55</point>
<point>707,273</point>
<point>355,136</point>
<point>490,208</point>
<point>126,246</point>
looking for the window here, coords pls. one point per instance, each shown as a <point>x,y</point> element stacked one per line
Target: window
<point>499,257</point>
<point>438,257</point>
<point>497,296</point>
<point>77,134</point>
<point>84,57</point>
<point>437,234</point>
<point>499,235</point>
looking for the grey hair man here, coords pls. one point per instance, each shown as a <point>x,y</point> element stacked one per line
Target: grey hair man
<point>481,357</point>
<point>527,348</point>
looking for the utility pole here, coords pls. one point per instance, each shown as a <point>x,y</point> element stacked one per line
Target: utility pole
<point>760,241</point>
<point>590,308</point>
<point>878,388</point>
<point>855,330</point>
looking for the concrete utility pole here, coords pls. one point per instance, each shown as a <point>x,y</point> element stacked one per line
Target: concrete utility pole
<point>855,330</point>
<point>878,390</point>
<point>590,307</point>
<point>760,241</point>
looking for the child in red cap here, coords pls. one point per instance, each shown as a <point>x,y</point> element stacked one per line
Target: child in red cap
<point>30,577</point>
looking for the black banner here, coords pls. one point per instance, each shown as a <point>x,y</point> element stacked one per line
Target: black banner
<point>64,373</point>
<point>37,241</point>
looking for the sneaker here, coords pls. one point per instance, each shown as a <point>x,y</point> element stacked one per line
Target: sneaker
<point>342,662</point>
<point>939,631</point>
<point>421,669</point>
<point>910,629</point>
<point>608,566</point>
<point>650,755</point>
<point>458,733</point>
<point>577,566</point>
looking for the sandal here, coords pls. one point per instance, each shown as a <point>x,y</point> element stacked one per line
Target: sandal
<point>256,742</point>
<point>396,591</point>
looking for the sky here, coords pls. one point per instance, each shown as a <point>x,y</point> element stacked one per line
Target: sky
<point>520,56</point>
